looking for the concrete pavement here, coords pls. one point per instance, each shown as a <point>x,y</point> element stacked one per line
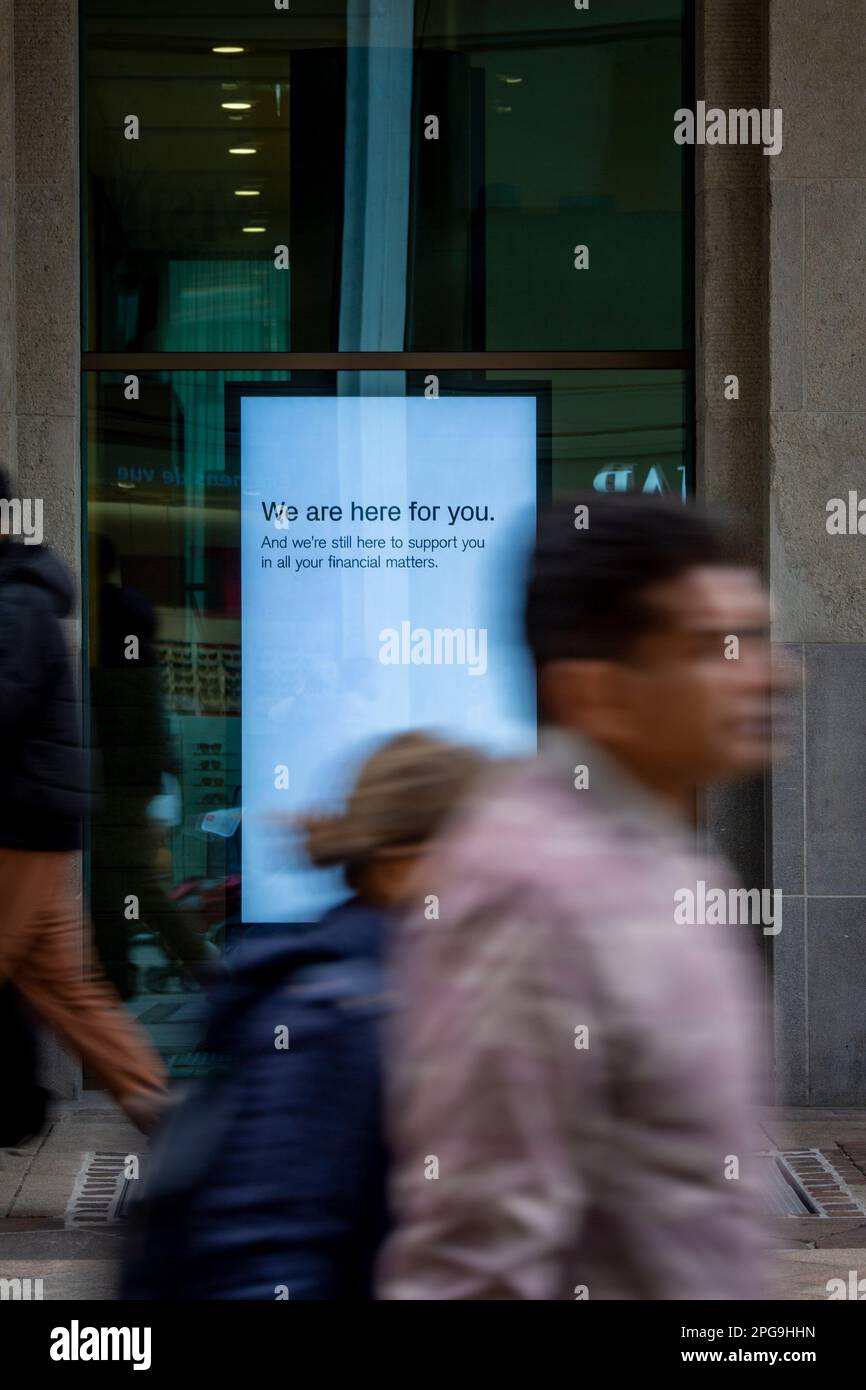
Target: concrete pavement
<point>58,1196</point>
<point>44,1232</point>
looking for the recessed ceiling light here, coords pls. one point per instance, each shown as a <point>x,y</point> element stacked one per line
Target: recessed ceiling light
<point>242,149</point>
<point>502,110</point>
<point>229,86</point>
<point>510,78</point>
<point>247,192</point>
<point>227,48</point>
<point>254,229</point>
<point>236,105</point>
<point>235,118</point>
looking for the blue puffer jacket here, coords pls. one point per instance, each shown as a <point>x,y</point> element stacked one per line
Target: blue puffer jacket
<point>268,1180</point>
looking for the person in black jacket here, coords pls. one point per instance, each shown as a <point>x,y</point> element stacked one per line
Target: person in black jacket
<point>44,780</point>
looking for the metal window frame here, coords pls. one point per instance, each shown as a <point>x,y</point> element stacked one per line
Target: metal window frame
<point>665,359</point>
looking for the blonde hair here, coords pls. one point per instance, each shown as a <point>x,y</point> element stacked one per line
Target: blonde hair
<point>402,796</point>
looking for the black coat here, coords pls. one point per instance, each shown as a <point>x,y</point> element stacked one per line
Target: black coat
<point>44,772</point>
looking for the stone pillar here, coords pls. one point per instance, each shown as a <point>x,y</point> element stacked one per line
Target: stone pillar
<point>39,299</point>
<point>817,423</point>
<point>731,314</point>
<point>7,242</point>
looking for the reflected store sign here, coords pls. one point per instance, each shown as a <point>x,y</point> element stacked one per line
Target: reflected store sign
<point>139,476</point>
<point>625,478</point>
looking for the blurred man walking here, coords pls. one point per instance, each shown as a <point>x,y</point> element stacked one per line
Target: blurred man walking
<point>574,1070</point>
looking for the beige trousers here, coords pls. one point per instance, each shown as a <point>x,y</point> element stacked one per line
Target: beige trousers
<point>40,952</point>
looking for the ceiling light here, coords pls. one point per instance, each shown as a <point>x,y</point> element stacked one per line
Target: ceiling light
<point>510,78</point>
<point>242,149</point>
<point>247,192</point>
<point>236,105</point>
<point>227,48</point>
<point>254,229</point>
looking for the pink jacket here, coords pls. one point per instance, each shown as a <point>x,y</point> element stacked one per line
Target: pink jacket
<point>573,1072</point>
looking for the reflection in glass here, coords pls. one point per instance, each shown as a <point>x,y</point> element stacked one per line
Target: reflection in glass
<point>349,181</point>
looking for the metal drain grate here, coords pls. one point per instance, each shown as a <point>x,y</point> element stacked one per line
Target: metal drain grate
<point>782,1194</point>
<point>808,1182</point>
<point>834,1184</point>
<point>98,1192</point>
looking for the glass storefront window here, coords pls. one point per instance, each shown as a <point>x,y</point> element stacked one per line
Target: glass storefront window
<point>272,199</point>
<point>164,526</point>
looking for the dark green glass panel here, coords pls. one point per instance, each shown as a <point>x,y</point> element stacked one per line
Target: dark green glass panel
<point>554,130</point>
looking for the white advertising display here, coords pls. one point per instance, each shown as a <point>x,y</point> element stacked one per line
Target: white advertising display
<point>384,543</point>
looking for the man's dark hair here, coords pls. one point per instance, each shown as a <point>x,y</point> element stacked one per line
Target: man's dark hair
<point>587,588</point>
